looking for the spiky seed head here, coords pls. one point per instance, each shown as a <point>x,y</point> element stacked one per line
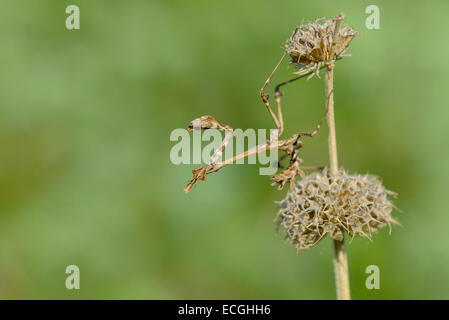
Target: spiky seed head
<point>319,205</point>
<point>318,42</point>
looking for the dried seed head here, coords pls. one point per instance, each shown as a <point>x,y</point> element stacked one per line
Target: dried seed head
<point>318,205</point>
<point>318,43</point>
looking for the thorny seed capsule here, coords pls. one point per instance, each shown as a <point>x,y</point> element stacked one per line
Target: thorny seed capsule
<point>317,43</point>
<point>319,204</point>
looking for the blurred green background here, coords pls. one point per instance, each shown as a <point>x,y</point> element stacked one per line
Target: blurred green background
<point>85,173</point>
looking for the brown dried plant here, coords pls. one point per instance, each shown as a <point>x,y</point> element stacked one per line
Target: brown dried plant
<point>329,202</point>
<point>317,206</point>
<point>310,47</point>
<point>318,43</point>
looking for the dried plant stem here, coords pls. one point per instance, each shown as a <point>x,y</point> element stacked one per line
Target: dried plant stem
<point>340,257</point>
<point>333,159</point>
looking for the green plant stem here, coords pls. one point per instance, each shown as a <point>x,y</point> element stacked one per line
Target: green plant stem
<point>340,257</point>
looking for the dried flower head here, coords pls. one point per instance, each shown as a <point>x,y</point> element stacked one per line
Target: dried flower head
<point>318,43</point>
<point>319,204</point>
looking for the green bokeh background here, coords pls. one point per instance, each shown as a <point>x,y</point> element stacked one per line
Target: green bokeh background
<point>85,173</point>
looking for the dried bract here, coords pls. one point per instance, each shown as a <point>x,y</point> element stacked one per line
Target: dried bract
<point>319,205</point>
